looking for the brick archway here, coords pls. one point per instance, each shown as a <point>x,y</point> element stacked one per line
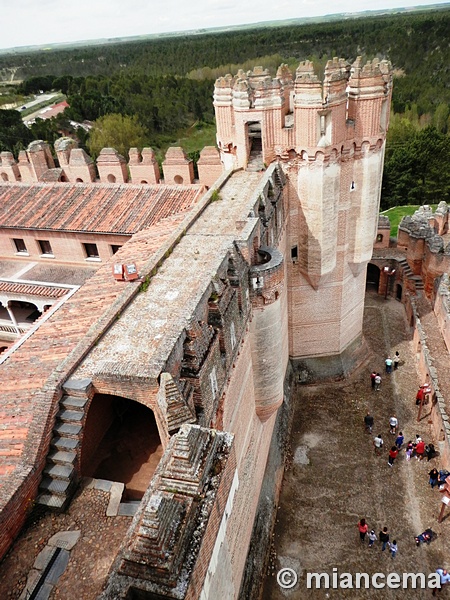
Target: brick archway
<point>120,443</point>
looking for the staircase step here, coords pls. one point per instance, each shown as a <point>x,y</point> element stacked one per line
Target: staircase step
<point>67,429</point>
<point>58,471</point>
<point>73,402</point>
<point>63,443</point>
<point>60,457</point>
<point>51,501</point>
<point>55,486</point>
<point>70,415</point>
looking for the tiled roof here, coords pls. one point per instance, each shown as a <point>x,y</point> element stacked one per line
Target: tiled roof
<point>27,376</point>
<point>31,288</point>
<point>103,208</point>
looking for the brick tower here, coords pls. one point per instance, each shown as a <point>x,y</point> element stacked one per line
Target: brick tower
<point>329,137</point>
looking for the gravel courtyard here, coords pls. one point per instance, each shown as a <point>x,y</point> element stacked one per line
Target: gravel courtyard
<point>335,478</point>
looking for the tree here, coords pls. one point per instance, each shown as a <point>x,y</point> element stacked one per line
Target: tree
<point>14,135</point>
<point>120,132</point>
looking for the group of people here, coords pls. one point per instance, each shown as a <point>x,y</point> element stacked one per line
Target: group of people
<point>416,448</point>
<point>372,536</point>
<point>413,448</point>
<point>391,364</point>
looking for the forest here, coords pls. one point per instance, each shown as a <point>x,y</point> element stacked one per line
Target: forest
<point>163,87</point>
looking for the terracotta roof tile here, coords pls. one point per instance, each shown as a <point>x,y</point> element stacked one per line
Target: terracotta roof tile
<point>104,208</point>
<point>69,330</point>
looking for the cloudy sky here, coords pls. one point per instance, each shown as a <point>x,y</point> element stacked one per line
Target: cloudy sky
<point>29,22</point>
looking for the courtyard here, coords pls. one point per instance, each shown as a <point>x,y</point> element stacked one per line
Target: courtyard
<point>334,477</point>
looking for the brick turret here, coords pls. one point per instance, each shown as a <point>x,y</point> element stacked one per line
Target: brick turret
<point>330,137</point>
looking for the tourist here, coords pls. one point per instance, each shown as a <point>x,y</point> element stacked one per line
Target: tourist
<point>388,363</point>
<point>396,360</point>
<point>409,449</point>
<point>393,424</point>
<point>434,477</point>
<point>377,382</point>
<point>372,379</point>
<point>378,444</point>
<point>368,422</point>
<point>420,395</point>
<point>372,538</point>
<point>399,440</point>
<point>420,450</point>
<point>384,538</point>
<point>430,451</point>
<point>444,579</point>
<point>393,548</point>
<point>393,453</point>
<point>363,528</point>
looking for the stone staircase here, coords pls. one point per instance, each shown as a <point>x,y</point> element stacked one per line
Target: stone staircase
<point>59,478</point>
<point>408,273</point>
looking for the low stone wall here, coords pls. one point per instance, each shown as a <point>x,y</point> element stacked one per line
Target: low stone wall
<point>440,422</point>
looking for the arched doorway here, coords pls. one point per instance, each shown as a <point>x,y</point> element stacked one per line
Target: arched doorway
<point>373,277</point>
<point>121,443</point>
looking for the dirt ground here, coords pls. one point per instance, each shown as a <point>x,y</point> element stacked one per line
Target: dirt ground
<point>90,559</point>
<point>335,478</point>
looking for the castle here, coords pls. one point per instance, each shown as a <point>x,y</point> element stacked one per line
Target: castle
<point>203,301</point>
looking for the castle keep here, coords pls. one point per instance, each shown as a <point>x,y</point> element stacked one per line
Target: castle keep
<point>201,301</point>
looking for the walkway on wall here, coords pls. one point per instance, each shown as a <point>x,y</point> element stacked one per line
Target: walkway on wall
<point>335,479</point>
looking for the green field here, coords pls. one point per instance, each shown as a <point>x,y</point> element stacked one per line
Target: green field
<point>396,213</point>
<point>193,139</point>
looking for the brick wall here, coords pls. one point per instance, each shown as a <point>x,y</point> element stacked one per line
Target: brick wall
<point>66,247</point>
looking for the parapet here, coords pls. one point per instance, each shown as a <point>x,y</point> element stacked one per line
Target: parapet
<point>170,544</point>
<point>112,167</point>
<point>177,167</point>
<point>209,166</point>
<point>9,171</point>
<point>143,166</point>
<point>352,102</point>
<point>76,166</point>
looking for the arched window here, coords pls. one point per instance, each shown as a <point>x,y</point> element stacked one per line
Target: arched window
<point>178,179</point>
<point>5,177</point>
<point>111,178</point>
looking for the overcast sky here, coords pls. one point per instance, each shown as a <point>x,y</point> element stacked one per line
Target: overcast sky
<point>30,22</point>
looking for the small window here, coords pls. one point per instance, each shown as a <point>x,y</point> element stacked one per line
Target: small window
<point>115,248</point>
<point>352,186</point>
<point>232,335</point>
<point>294,253</point>
<point>45,247</point>
<point>91,250</point>
<point>213,381</point>
<point>111,178</point>
<point>20,246</point>
<point>379,237</point>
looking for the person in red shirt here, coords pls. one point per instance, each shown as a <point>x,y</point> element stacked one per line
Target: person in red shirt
<point>393,453</point>
<point>420,395</point>
<point>363,528</point>
<point>420,450</point>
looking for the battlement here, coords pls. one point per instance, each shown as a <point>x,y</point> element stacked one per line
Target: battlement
<point>421,235</point>
<point>288,117</point>
<point>36,164</point>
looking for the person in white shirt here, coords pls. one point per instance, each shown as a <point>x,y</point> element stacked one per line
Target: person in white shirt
<point>393,424</point>
<point>378,444</point>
